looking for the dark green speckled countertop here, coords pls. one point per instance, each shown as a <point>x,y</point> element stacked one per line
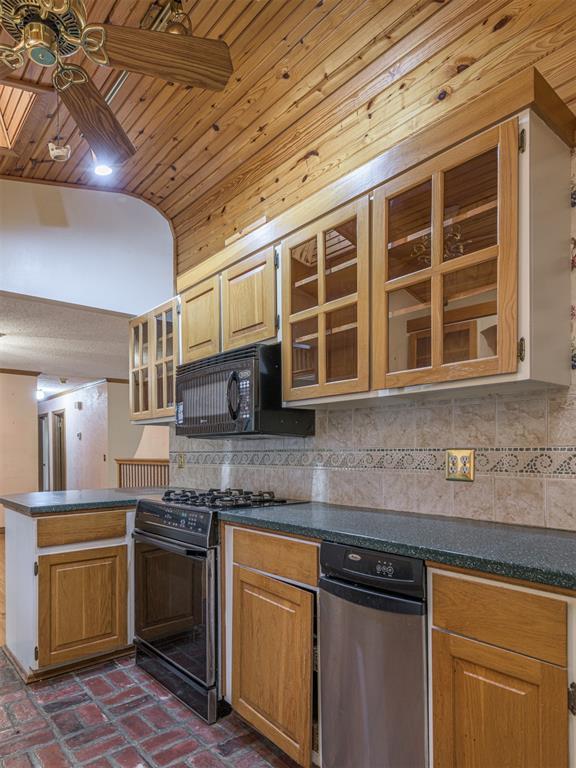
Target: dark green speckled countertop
<point>534,554</point>
<point>56,502</point>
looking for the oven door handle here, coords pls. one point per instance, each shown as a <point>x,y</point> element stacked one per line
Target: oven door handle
<point>169,546</point>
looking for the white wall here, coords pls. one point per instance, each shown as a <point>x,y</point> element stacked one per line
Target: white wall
<point>129,441</point>
<point>86,457</point>
<point>18,436</point>
<point>99,249</point>
<point>107,434</point>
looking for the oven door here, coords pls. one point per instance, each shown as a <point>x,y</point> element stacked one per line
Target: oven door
<point>175,603</point>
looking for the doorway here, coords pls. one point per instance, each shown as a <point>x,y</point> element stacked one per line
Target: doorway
<point>43,453</point>
<point>58,451</point>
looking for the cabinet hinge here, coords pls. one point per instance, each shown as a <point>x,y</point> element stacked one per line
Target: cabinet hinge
<point>276,257</point>
<point>522,349</point>
<point>36,653</point>
<point>35,569</point>
<point>277,322</point>
<point>572,698</point>
<point>522,140</point>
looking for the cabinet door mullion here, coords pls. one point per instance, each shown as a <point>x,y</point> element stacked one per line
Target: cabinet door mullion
<point>322,348</point>
<point>437,320</point>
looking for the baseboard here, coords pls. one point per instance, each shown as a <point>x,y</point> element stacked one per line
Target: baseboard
<point>35,675</point>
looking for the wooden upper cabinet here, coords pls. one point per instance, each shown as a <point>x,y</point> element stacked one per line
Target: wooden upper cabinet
<point>249,300</point>
<point>325,305</point>
<point>272,660</point>
<point>201,320</point>
<point>153,360</point>
<point>82,604</point>
<point>495,708</point>
<point>445,264</point>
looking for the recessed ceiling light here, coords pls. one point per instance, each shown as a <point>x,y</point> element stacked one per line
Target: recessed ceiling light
<point>40,394</point>
<point>101,169</point>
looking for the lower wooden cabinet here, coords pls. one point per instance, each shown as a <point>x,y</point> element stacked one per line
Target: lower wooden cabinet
<point>272,660</point>
<point>82,604</point>
<point>495,708</point>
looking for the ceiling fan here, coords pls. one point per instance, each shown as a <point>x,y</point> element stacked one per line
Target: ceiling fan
<point>48,31</point>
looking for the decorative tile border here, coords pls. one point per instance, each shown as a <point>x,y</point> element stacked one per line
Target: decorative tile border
<point>535,462</point>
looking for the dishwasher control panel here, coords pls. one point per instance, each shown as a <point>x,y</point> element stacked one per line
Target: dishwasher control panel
<point>389,572</point>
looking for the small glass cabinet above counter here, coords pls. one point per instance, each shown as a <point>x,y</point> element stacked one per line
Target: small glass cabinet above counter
<point>153,360</point>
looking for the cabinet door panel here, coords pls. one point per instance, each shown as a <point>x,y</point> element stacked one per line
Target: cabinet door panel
<point>496,709</point>
<point>249,301</point>
<point>272,660</point>
<point>82,604</point>
<point>325,305</point>
<point>164,324</point>
<point>201,320</point>
<point>449,224</point>
<point>140,395</point>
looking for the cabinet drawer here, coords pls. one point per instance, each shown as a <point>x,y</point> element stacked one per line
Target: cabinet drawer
<point>73,529</point>
<point>533,625</point>
<point>295,560</point>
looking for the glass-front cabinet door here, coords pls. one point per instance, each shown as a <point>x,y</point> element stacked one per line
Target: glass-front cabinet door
<point>140,400</point>
<point>445,256</point>
<point>164,333</point>
<point>325,308</point>
<point>153,360</point>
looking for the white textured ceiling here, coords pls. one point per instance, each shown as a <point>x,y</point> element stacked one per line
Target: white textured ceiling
<point>62,340</point>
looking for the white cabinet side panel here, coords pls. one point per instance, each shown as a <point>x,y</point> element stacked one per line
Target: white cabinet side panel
<point>550,253</point>
<point>21,592</point>
<point>130,516</point>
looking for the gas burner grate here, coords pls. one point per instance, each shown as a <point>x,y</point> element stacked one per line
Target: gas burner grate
<point>214,498</point>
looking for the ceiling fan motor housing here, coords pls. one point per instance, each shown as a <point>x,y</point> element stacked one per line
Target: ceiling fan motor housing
<point>41,31</point>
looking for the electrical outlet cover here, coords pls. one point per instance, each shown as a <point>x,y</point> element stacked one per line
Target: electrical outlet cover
<point>460,464</point>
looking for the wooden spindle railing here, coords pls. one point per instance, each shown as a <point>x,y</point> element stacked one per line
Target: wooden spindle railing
<point>142,473</point>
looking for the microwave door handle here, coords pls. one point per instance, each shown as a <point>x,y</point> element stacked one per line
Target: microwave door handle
<point>233,381</point>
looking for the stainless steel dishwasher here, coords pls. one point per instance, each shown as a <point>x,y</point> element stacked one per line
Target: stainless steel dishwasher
<point>372,643</point>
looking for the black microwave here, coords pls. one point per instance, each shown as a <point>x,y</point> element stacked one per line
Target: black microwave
<point>237,393</point>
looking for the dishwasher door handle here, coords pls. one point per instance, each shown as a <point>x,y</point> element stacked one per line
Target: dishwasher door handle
<point>372,598</point>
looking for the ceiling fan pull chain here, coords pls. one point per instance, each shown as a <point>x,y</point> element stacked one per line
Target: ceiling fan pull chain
<point>179,21</point>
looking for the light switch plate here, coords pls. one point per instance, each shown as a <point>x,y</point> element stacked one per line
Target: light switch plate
<point>460,464</point>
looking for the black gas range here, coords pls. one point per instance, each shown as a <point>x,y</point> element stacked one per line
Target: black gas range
<point>176,590</point>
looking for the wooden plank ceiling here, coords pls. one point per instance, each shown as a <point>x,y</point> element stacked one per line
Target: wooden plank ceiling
<point>319,87</point>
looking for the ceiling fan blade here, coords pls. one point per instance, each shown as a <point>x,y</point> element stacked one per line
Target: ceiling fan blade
<point>5,71</point>
<point>93,116</point>
<point>176,58</point>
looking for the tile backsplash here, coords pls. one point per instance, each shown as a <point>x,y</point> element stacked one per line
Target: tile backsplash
<point>392,456</point>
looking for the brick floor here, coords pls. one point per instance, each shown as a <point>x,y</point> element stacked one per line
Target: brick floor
<point>116,716</point>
